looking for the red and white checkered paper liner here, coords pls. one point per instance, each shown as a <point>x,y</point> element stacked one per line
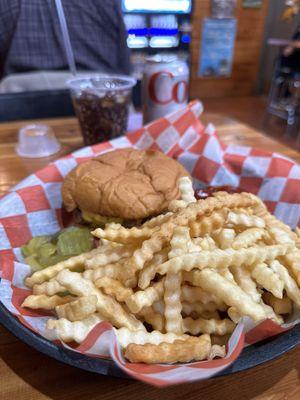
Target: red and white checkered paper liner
<point>33,207</point>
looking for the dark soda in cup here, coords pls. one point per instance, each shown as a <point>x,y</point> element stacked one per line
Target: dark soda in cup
<point>101,104</point>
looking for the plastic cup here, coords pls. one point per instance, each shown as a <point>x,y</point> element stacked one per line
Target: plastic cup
<point>37,141</point>
<point>101,103</point>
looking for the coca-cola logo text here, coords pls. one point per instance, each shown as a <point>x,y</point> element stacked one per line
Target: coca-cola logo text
<point>178,91</point>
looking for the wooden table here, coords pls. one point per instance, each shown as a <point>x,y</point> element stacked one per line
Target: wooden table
<point>26,374</point>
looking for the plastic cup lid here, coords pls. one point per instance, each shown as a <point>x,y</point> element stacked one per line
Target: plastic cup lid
<point>36,141</point>
<point>102,82</point>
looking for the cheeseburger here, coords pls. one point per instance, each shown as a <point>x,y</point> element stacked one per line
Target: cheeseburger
<point>124,186</point>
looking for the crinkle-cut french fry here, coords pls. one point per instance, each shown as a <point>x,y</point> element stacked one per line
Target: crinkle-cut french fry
<point>272,222</point>
<point>72,263</point>
<point>183,218</point>
<point>192,294</point>
<point>290,285</point>
<point>181,242</point>
<point>245,220</point>
<point>159,307</point>
<point>146,276</point>
<point>142,255</point>
<point>109,270</point>
<point>208,224</point>
<point>210,326</point>
<point>224,238</point>
<point>79,309</point>
<point>233,314</point>
<point>145,298</point>
<point>68,331</point>
<point>108,307</point>
<point>198,307</point>
<point>114,288</point>
<point>153,318</point>
<point>223,258</point>
<point>173,305</point>
<point>49,288</point>
<point>186,194</point>
<point>270,314</point>
<point>230,293</point>
<point>161,256</point>
<point>120,234</point>
<point>297,232</point>
<point>219,193</point>
<point>197,240</point>
<point>126,336</point>
<point>280,235</point>
<point>46,302</point>
<point>157,221</point>
<point>193,348</point>
<point>209,315</point>
<point>292,261</point>
<point>149,271</point>
<point>105,242</point>
<point>243,278</point>
<point>176,205</point>
<point>268,279</point>
<point>247,238</point>
<point>241,210</point>
<point>217,351</point>
<point>227,274</point>
<point>206,244</point>
<point>280,306</point>
<point>116,254</point>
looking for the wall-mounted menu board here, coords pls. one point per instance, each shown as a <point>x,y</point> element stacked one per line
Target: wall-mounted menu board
<point>217,47</point>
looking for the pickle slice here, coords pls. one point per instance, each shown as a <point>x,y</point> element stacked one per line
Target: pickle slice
<point>52,260</point>
<point>33,263</point>
<point>98,220</point>
<point>34,244</point>
<point>44,251</point>
<point>74,241</point>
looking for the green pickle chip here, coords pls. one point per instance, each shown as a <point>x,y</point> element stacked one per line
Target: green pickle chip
<point>34,264</point>
<point>52,260</point>
<point>43,251</point>
<point>46,250</point>
<point>34,244</point>
<point>99,220</point>
<point>74,241</point>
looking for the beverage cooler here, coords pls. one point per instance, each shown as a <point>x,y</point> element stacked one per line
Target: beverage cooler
<point>156,27</point>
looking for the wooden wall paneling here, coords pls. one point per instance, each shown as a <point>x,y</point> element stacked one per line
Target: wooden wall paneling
<point>247,52</point>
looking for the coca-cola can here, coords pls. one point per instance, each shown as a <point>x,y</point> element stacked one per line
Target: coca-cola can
<point>164,86</point>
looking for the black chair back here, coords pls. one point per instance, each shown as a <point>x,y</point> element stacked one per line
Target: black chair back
<point>35,105</point>
<point>44,104</point>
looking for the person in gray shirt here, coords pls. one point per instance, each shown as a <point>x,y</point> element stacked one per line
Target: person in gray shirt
<point>31,39</point>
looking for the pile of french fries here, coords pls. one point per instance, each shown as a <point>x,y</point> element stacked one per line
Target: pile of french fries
<point>175,287</point>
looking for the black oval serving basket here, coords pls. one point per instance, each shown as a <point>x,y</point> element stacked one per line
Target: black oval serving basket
<point>251,356</point>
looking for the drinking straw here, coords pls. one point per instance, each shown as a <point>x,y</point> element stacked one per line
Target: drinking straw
<point>66,37</point>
